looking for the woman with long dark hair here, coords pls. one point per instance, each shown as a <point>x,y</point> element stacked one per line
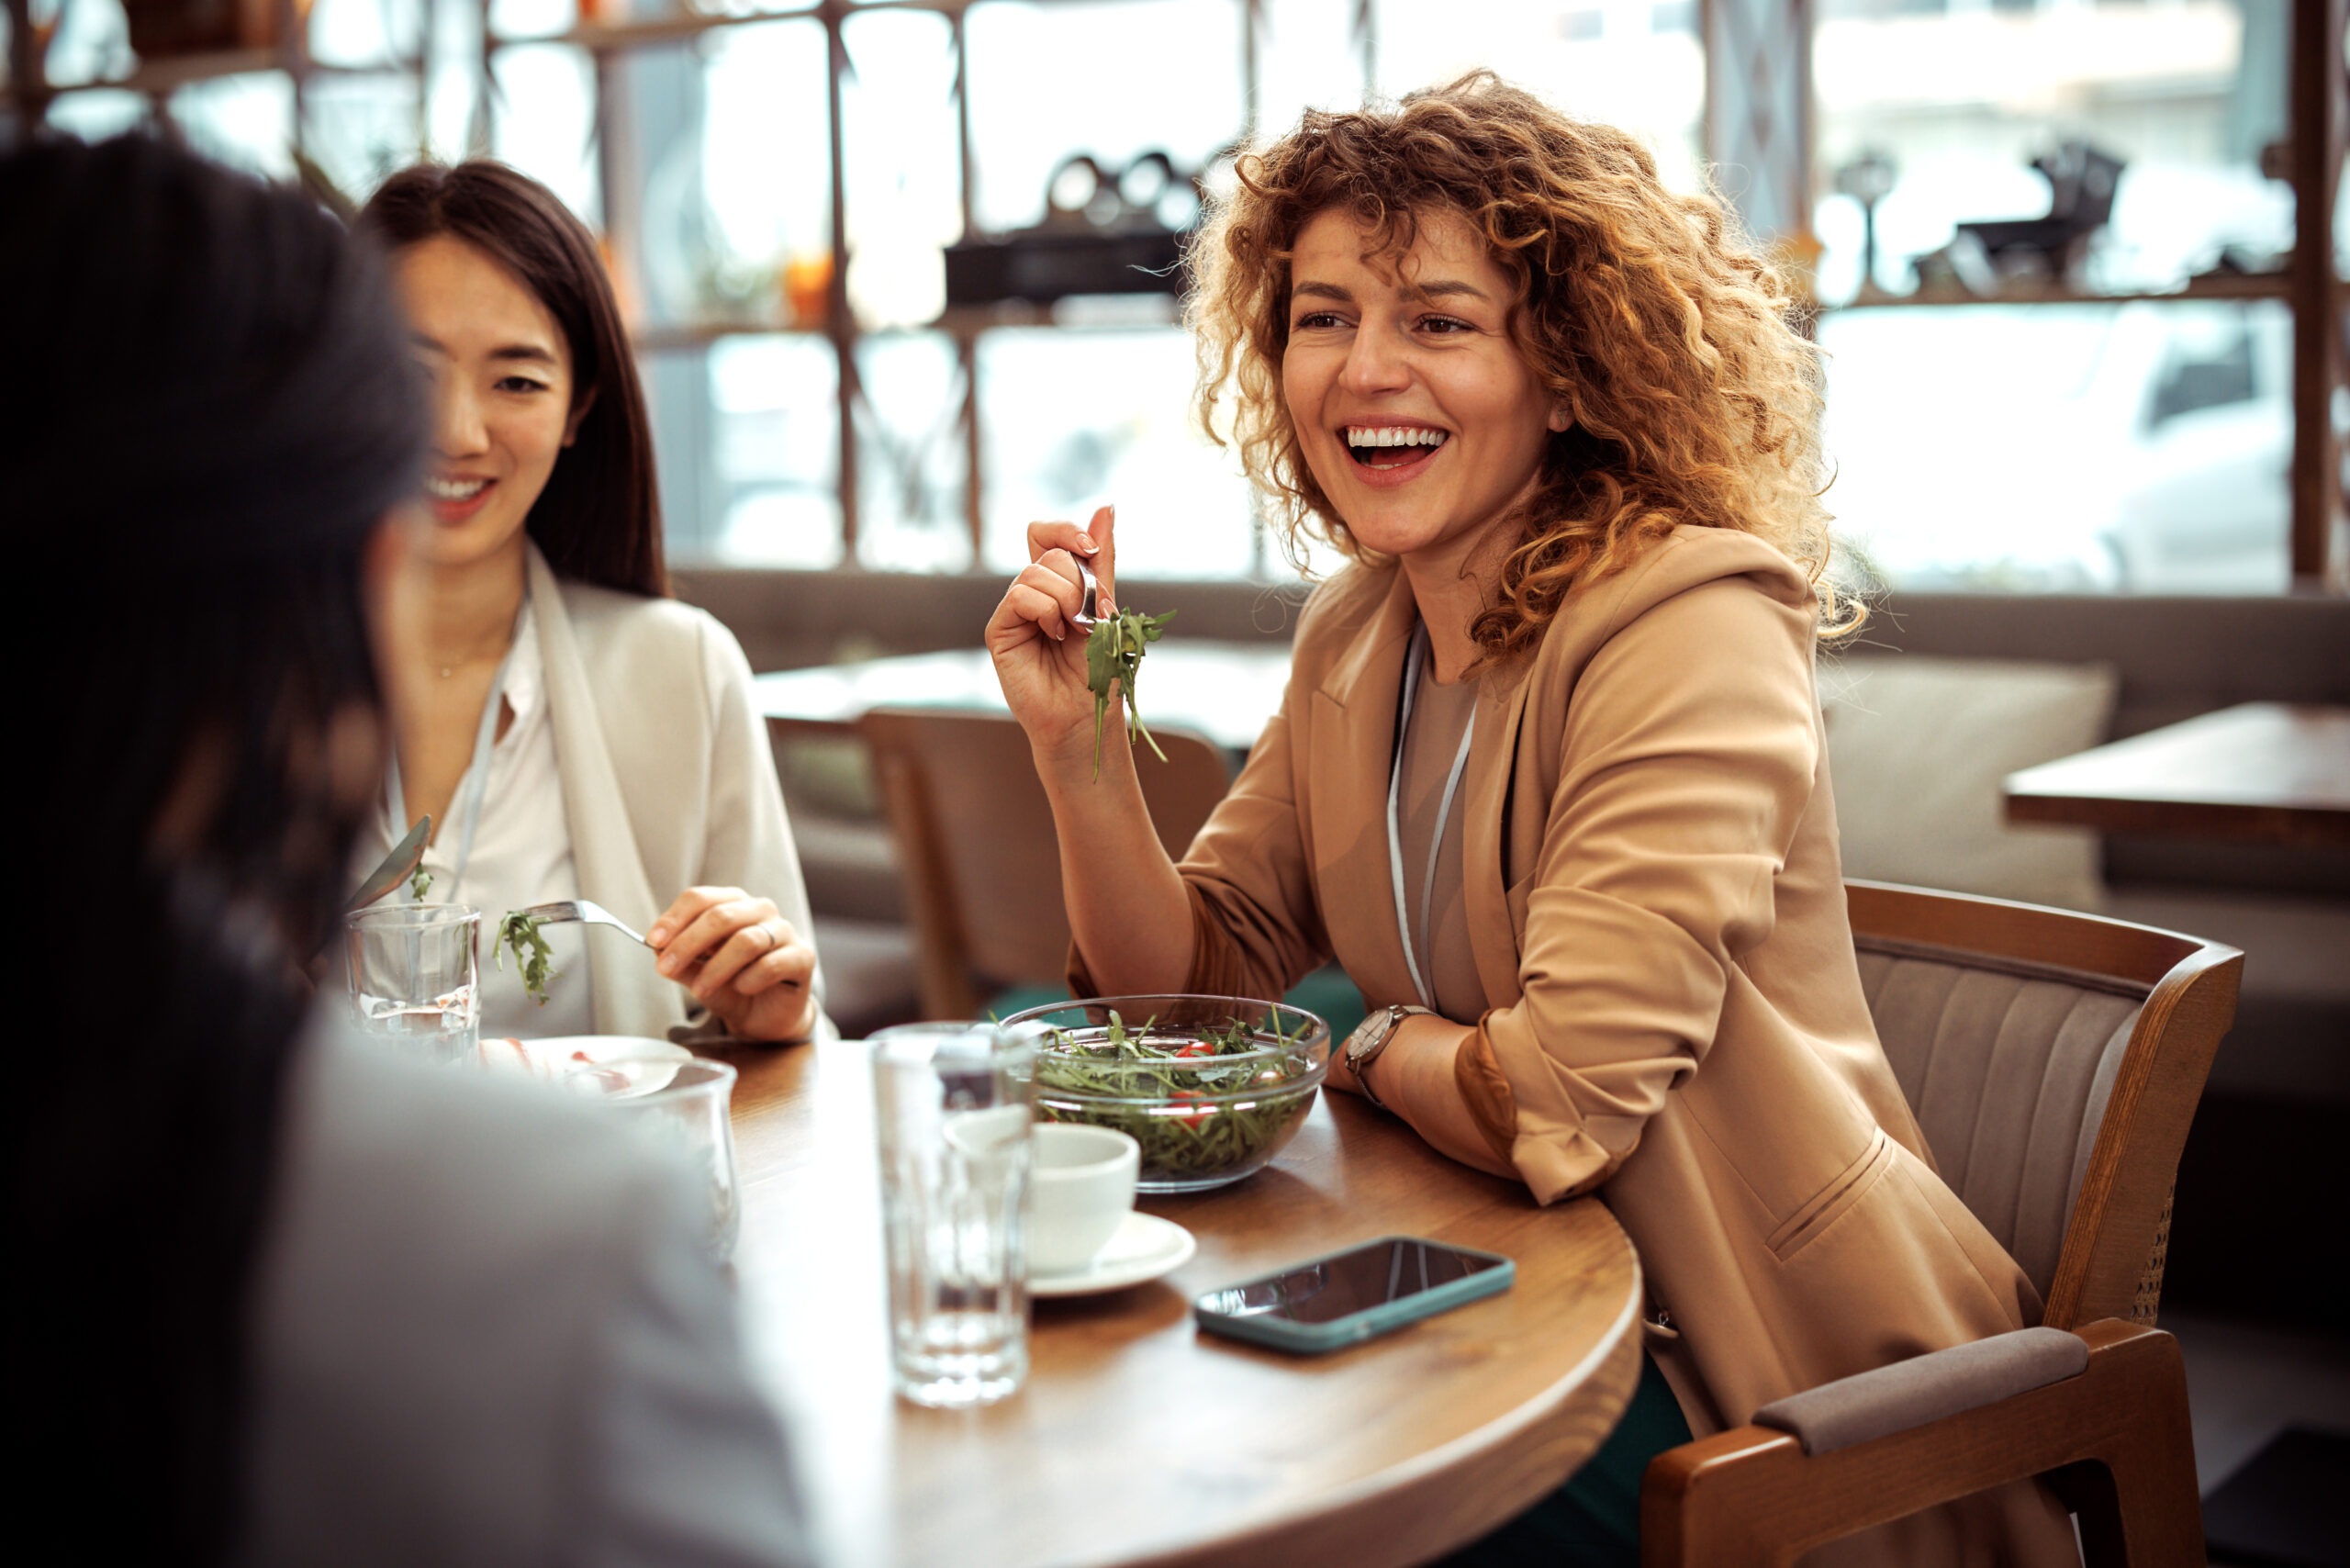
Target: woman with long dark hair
<point>279,1298</point>
<point>572,732</point>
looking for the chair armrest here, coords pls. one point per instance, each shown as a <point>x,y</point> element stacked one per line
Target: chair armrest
<point>1925,1388</point>
<point>2114,1440</point>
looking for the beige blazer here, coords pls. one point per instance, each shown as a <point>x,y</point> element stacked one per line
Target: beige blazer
<point>1674,1013</point>
<point>667,780</point>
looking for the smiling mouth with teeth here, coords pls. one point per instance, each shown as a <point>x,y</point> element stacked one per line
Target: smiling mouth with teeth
<point>442,490</point>
<point>1393,446</point>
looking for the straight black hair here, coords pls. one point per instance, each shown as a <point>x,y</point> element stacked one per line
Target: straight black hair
<point>209,408</point>
<point>599,520</point>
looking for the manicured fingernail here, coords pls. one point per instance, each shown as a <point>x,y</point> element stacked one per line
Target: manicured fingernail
<point>658,935</point>
<point>1090,548</point>
<point>667,966</point>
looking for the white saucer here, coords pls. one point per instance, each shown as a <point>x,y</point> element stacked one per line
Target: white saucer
<point>551,1057</point>
<point>1143,1247</point>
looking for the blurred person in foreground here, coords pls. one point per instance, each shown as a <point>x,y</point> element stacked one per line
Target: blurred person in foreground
<point>572,730</point>
<point>1550,779</point>
<point>279,1299</point>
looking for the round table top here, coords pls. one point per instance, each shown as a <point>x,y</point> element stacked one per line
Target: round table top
<point>1138,1438</point>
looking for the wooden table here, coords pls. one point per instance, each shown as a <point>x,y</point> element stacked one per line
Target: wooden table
<point>1225,691</point>
<point>1136,1439</point>
<point>2262,771</point>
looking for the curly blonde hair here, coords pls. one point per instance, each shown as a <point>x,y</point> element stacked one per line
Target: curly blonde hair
<point>1646,313</point>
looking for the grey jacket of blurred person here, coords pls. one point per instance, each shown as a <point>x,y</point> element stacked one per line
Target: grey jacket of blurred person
<point>484,1333</point>
<point>668,780</point>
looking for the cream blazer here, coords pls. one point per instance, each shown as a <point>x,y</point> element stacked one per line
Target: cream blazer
<point>1675,1017</point>
<point>668,779</point>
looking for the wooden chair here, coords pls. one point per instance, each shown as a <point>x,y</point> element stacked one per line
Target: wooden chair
<point>2055,1062</point>
<point>977,848</point>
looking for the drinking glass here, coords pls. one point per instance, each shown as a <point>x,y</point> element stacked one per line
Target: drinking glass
<point>952,1111</point>
<point>687,1106</point>
<point>415,973</point>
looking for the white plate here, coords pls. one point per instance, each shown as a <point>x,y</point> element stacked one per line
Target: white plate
<point>1143,1247</point>
<point>550,1058</point>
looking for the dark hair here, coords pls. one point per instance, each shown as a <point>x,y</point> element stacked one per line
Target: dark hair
<point>599,520</point>
<point>212,410</point>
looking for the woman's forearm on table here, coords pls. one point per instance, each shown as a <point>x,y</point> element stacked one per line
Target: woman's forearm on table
<point>1414,1076</point>
<point>1127,909</point>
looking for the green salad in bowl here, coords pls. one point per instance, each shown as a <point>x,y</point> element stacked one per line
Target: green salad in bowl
<point>1210,1086</point>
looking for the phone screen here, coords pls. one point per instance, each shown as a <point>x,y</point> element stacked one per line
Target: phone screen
<point>1354,1282</point>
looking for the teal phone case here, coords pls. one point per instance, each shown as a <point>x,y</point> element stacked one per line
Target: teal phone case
<point>1313,1338</point>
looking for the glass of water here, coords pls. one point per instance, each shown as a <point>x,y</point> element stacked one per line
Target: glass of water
<point>415,978</point>
<point>685,1106</point>
<point>952,1112</point>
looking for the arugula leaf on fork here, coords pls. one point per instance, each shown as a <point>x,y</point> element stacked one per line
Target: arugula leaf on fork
<point>1114,651</point>
<point>519,932</point>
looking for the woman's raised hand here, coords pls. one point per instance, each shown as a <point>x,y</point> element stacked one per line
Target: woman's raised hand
<point>1036,640</point>
<point>1126,905</point>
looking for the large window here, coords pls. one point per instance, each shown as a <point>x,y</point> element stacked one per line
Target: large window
<point>2107,411</point>
<point>2140,446</point>
<point>2079,448</point>
<point>1959,99</point>
<point>1634,63</point>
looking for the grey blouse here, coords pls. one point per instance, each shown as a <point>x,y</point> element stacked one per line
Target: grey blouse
<point>484,1334</point>
<point>1440,716</point>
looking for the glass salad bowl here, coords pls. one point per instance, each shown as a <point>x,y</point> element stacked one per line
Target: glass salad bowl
<point>1210,1086</point>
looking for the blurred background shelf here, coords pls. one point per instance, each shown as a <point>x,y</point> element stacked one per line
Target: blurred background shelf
<point>689,337</point>
<point>167,73</point>
<point>2250,286</point>
<point>613,38</point>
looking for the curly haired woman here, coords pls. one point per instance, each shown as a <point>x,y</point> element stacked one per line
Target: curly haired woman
<point>1550,779</point>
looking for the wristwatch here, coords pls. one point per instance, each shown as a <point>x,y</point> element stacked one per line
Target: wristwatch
<point>1370,1038</point>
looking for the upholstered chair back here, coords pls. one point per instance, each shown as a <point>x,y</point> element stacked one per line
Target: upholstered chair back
<point>2048,1057</point>
<point>2008,1066</point>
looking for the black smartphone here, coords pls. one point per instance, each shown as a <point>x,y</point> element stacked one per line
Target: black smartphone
<point>1347,1297</point>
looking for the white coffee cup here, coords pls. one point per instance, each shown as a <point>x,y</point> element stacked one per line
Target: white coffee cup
<point>1082,1189</point>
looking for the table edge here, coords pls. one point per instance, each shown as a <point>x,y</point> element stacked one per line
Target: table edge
<point>2050,779</point>
<point>2301,824</point>
<point>1494,1437</point>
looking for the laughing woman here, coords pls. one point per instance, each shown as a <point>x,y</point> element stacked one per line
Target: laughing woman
<point>1550,779</point>
<point>572,732</point>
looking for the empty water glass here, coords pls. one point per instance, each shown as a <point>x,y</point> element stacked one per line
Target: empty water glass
<point>952,1112</point>
<point>415,970</point>
<point>687,1107</point>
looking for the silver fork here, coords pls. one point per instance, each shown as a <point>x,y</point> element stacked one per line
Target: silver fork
<point>588,913</point>
<point>584,912</point>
